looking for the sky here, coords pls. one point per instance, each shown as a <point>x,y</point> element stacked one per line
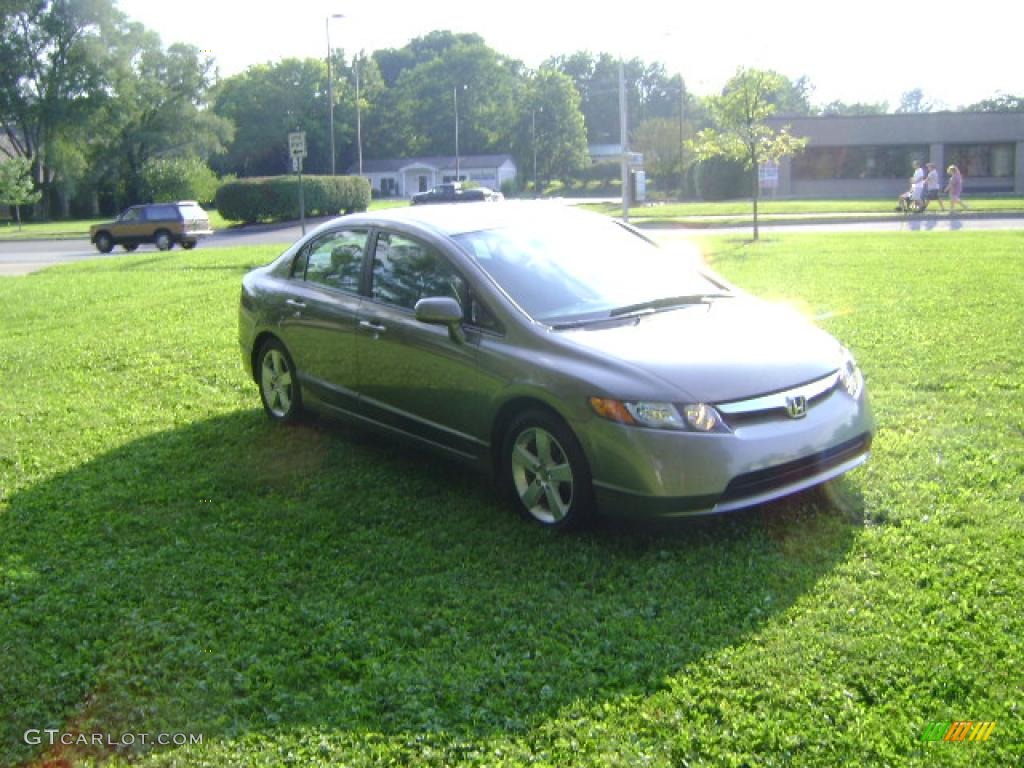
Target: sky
<point>869,51</point>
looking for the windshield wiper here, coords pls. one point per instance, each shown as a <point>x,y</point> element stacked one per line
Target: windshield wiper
<point>667,302</point>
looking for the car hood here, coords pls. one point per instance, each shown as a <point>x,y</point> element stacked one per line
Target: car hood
<point>727,349</point>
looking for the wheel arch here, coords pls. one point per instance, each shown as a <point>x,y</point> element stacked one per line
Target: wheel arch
<point>257,344</point>
<point>507,413</point>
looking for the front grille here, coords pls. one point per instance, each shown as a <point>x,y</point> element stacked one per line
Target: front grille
<point>765,480</point>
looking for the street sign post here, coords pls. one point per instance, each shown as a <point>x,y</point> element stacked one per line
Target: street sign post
<point>297,150</point>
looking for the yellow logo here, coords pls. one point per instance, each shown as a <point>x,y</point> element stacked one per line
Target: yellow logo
<point>958,730</point>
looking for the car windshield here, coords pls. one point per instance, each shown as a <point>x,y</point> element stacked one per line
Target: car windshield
<point>584,269</point>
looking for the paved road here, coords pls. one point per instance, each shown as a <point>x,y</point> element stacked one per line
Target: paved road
<point>22,257</point>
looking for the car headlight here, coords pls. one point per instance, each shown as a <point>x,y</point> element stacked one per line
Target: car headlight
<point>850,376</point>
<point>698,417</point>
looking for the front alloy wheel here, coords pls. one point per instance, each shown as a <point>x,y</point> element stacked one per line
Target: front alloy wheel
<point>279,386</point>
<point>548,474</point>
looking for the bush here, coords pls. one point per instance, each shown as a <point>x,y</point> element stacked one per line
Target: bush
<point>509,188</point>
<point>720,179</point>
<point>276,198</point>
<point>179,178</point>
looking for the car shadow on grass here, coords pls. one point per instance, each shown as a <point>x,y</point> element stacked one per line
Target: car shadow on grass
<point>233,577</point>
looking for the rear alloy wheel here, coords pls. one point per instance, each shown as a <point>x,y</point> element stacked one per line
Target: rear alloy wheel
<point>546,471</point>
<point>163,240</point>
<point>279,386</point>
<point>104,243</point>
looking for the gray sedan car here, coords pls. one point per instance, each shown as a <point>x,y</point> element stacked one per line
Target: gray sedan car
<point>562,351</point>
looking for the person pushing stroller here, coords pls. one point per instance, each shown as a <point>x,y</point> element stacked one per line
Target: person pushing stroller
<point>914,199</point>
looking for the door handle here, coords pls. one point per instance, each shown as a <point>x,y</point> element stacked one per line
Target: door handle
<point>295,303</point>
<point>369,326</point>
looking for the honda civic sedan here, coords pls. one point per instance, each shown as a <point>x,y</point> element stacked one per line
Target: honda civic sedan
<point>582,365</point>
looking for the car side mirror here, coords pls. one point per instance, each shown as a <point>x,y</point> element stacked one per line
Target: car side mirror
<point>442,310</point>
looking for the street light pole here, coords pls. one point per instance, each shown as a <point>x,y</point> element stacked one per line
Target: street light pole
<point>455,98</point>
<point>533,124</point>
<point>623,141</point>
<point>330,86</point>
<point>359,122</point>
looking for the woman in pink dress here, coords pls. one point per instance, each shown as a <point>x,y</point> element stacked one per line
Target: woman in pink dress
<point>954,188</point>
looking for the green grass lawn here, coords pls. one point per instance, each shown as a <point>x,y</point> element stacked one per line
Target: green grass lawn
<point>769,208</point>
<point>170,562</point>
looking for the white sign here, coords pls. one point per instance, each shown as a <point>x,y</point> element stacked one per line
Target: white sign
<point>768,175</point>
<point>297,144</point>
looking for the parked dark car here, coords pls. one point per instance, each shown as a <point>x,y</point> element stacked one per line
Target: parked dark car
<point>162,224</point>
<point>561,350</point>
<point>455,192</point>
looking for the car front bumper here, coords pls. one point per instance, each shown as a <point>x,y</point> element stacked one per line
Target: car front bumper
<point>644,472</point>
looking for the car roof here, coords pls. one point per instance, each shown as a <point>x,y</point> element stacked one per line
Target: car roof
<point>459,218</point>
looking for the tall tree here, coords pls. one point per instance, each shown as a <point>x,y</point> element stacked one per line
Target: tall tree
<point>663,142</point>
<point>159,110</point>
<point>486,87</point>
<point>265,103</point>
<point>914,102</point>
<point>53,76</point>
<point>550,128</point>
<point>741,133</point>
<point>1003,102</point>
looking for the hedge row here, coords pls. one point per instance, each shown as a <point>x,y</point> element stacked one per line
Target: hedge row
<point>276,198</point>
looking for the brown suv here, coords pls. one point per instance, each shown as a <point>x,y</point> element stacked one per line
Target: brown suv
<point>162,224</point>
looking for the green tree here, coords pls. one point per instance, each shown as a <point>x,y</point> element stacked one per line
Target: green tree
<point>178,178</point>
<point>158,110</point>
<point>741,133</point>
<point>665,149</point>
<point>423,102</point>
<point>16,187</point>
<point>54,63</point>
<point>856,108</point>
<point>550,127</point>
<point>1002,102</point>
<point>914,102</point>
<point>265,103</point>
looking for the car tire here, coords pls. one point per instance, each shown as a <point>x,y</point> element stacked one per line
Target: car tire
<point>278,382</point>
<point>545,471</point>
<point>188,245</point>
<point>163,241</point>
<point>104,242</point>
<point>130,246</point>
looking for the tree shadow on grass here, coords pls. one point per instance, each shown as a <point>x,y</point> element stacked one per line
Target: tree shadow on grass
<point>235,577</point>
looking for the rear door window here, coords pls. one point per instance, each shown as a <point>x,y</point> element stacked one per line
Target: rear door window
<point>161,213</point>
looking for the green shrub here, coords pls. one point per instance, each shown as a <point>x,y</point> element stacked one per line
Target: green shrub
<point>276,198</point>
<point>168,179</point>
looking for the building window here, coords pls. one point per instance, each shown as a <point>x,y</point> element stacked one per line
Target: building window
<point>871,162</point>
<point>988,160</point>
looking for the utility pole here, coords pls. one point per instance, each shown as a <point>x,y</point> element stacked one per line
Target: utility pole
<point>330,87</point>
<point>623,140</point>
<point>455,98</point>
<point>533,124</point>
<point>359,122</point>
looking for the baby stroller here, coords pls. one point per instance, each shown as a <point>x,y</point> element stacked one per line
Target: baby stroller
<point>913,200</point>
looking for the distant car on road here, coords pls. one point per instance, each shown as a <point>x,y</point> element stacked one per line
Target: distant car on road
<point>162,224</point>
<point>560,350</point>
<point>454,192</point>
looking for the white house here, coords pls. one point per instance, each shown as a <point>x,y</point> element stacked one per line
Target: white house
<point>404,177</point>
